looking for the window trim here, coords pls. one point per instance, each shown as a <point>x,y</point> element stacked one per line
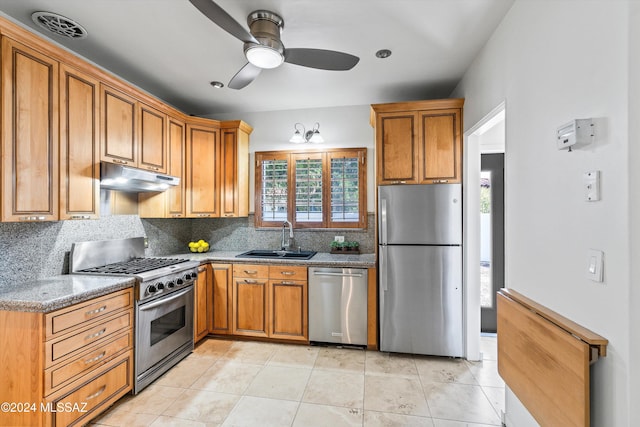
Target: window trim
<point>326,155</point>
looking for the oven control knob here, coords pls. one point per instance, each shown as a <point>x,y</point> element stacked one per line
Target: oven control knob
<point>151,289</point>
<point>171,284</point>
<point>179,281</point>
<point>160,286</point>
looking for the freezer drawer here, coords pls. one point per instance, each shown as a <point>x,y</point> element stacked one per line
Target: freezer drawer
<point>421,300</point>
<point>338,305</point>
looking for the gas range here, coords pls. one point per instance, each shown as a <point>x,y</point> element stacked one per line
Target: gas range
<point>164,300</point>
<point>125,257</point>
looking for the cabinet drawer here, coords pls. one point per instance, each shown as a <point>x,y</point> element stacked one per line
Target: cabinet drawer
<point>85,363</point>
<point>286,272</point>
<point>88,399</point>
<point>250,270</point>
<point>56,351</point>
<point>66,319</point>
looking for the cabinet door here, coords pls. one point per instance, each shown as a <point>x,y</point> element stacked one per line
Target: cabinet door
<point>79,158</point>
<point>250,307</point>
<point>29,134</point>
<point>288,313</point>
<point>397,148</point>
<point>440,151</point>
<point>234,185</point>
<point>176,146</point>
<point>153,141</point>
<point>221,306</point>
<point>118,138</point>
<point>201,296</point>
<point>203,171</point>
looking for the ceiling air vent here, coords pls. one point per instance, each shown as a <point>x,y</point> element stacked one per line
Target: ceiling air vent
<point>59,25</point>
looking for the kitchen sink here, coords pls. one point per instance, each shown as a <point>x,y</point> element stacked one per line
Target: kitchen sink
<point>277,254</point>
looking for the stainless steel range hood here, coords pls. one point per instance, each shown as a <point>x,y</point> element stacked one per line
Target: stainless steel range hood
<point>126,178</point>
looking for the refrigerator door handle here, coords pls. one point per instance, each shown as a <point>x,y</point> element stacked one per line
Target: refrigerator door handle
<point>383,221</point>
<point>384,268</point>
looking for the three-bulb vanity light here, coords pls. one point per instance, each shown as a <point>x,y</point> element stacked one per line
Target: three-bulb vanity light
<point>300,137</point>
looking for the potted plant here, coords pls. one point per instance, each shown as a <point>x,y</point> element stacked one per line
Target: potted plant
<point>353,247</point>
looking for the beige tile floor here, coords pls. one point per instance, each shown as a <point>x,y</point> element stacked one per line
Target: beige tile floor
<point>235,383</point>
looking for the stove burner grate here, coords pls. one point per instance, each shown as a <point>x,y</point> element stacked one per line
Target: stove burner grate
<point>134,266</point>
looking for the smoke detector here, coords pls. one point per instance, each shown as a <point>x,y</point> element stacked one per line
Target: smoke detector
<point>60,25</point>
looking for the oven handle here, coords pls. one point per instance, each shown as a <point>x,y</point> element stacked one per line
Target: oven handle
<point>162,301</point>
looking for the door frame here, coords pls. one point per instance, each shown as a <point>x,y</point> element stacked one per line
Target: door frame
<point>471,227</point>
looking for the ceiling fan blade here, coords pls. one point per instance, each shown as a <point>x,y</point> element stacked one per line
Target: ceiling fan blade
<point>320,58</point>
<point>246,75</point>
<point>218,15</point>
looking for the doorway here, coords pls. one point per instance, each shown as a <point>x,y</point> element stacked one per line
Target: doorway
<point>491,237</point>
<point>487,136</point>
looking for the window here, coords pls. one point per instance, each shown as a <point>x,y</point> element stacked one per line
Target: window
<point>312,189</point>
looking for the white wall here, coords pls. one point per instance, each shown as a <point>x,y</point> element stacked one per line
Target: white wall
<point>553,61</point>
<point>339,126</point>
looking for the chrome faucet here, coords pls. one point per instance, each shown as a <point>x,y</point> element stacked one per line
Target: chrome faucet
<point>286,243</point>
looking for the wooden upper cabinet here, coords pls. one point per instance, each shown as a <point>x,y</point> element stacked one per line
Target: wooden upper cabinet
<point>175,206</point>
<point>79,146</point>
<point>152,139</point>
<point>203,170</point>
<point>397,148</point>
<point>118,123</point>
<point>29,134</point>
<point>234,158</point>
<point>441,146</point>
<point>418,142</point>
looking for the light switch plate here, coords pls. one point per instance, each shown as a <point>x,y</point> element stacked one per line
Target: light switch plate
<point>339,238</point>
<point>595,265</point>
<point>591,184</point>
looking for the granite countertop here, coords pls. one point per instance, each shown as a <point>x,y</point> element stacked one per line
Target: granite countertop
<point>52,293</point>
<point>323,259</point>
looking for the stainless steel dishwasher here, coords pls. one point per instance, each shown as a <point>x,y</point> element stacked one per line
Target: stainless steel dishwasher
<point>338,305</point>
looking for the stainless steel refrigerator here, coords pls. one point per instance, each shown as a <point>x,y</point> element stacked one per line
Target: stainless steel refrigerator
<point>420,260</point>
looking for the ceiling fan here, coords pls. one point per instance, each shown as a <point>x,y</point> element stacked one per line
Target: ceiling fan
<point>263,47</point>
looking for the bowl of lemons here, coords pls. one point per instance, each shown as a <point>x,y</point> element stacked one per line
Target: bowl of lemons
<point>199,246</point>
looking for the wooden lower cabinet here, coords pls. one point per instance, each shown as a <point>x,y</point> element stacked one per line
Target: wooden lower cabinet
<point>202,301</point>
<point>288,310</point>
<point>68,365</point>
<point>266,305</point>
<point>220,309</point>
<point>250,301</point>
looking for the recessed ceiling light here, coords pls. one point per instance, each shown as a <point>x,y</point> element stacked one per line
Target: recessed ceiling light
<point>60,25</point>
<point>383,53</point>
<point>217,85</point>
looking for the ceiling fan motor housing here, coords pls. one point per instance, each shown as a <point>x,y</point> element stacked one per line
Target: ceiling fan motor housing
<point>265,26</point>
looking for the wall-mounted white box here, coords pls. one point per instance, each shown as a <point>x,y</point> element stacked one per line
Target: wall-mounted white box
<point>576,133</point>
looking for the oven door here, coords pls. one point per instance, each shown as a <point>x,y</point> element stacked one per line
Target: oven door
<point>163,325</point>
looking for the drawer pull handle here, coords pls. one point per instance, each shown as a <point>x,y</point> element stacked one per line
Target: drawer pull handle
<point>96,311</point>
<point>32,218</point>
<point>286,283</point>
<point>251,271</point>
<point>440,181</point>
<point>204,215</point>
<point>288,273</point>
<point>153,168</point>
<point>250,281</point>
<point>97,334</point>
<point>97,393</point>
<point>122,162</point>
<point>95,359</point>
<point>80,217</point>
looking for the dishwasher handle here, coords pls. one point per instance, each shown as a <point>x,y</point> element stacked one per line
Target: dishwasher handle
<point>329,273</point>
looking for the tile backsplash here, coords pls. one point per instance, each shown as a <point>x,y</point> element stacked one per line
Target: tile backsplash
<point>37,250</point>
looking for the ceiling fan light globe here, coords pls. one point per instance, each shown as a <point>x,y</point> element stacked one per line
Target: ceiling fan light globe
<point>264,56</point>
